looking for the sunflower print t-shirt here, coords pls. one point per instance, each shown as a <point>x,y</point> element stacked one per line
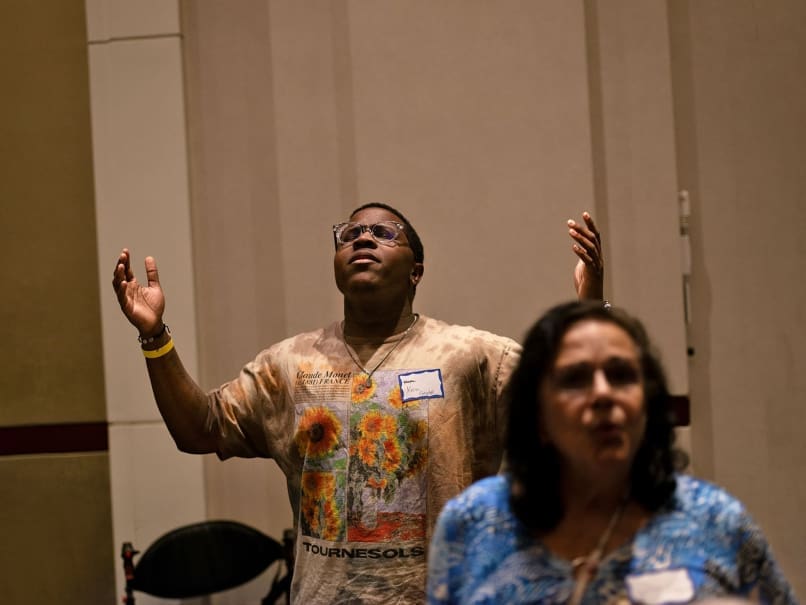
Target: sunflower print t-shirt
<point>370,455</point>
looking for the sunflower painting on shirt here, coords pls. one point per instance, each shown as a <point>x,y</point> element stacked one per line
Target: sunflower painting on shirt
<point>388,452</point>
<point>320,443</point>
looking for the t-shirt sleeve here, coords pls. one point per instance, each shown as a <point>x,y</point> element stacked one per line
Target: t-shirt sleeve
<point>250,414</point>
<point>509,359</point>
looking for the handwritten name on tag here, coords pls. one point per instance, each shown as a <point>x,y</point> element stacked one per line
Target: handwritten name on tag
<point>425,384</point>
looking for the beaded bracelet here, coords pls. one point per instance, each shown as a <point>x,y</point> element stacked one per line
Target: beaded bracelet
<point>144,341</point>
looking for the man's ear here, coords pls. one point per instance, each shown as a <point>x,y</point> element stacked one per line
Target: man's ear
<point>417,273</point>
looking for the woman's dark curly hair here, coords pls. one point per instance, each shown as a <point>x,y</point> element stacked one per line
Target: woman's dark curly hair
<point>535,467</point>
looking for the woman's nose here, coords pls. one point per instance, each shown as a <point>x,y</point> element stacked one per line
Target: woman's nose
<point>601,389</point>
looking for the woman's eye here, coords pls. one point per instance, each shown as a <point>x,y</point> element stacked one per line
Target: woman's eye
<point>617,372</point>
<point>621,373</point>
<point>575,377</point>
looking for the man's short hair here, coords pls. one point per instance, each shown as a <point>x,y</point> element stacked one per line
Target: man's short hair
<point>411,233</point>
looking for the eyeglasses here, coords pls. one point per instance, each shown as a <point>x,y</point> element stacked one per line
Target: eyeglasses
<point>385,233</point>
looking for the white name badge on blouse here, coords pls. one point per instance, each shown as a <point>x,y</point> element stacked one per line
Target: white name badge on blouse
<point>425,384</point>
<point>656,587</point>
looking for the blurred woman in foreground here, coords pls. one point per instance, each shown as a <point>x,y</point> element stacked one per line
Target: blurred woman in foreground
<point>592,508</point>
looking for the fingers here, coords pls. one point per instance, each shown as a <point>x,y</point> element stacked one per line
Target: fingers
<point>123,280</point>
<point>583,254</point>
<point>586,231</point>
<point>586,243</point>
<point>124,259</point>
<point>591,225</point>
<point>152,274</point>
<point>587,240</point>
<point>122,271</point>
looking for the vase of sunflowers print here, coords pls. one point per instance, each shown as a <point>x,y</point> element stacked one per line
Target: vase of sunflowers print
<point>387,460</point>
<point>319,439</point>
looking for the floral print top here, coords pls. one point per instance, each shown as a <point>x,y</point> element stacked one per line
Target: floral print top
<point>703,544</point>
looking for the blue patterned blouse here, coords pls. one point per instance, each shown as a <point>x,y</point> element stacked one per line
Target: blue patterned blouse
<point>704,544</point>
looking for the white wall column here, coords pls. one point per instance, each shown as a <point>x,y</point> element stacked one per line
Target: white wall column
<point>142,202</point>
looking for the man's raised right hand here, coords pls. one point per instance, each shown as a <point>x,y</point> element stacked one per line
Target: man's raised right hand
<point>142,305</point>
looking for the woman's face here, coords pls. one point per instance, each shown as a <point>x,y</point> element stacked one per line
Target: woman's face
<point>593,399</point>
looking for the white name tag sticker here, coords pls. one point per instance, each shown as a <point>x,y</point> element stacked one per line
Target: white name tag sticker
<point>668,586</point>
<point>425,384</point>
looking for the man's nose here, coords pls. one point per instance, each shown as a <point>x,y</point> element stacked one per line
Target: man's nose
<point>365,239</point>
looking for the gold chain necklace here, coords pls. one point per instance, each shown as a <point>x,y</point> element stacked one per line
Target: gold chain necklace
<point>589,565</point>
<point>361,388</point>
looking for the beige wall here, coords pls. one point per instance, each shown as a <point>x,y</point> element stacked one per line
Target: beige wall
<point>142,202</point>
<point>227,137</point>
<point>741,107</point>
<point>55,511</point>
<point>488,125</point>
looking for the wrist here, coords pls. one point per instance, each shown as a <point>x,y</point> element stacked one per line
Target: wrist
<point>156,339</point>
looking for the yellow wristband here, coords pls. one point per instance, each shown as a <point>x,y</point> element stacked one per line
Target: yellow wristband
<point>163,350</point>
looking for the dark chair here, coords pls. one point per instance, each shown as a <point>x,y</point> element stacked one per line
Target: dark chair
<point>199,559</point>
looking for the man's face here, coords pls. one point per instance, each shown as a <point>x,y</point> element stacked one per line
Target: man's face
<point>365,265</point>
